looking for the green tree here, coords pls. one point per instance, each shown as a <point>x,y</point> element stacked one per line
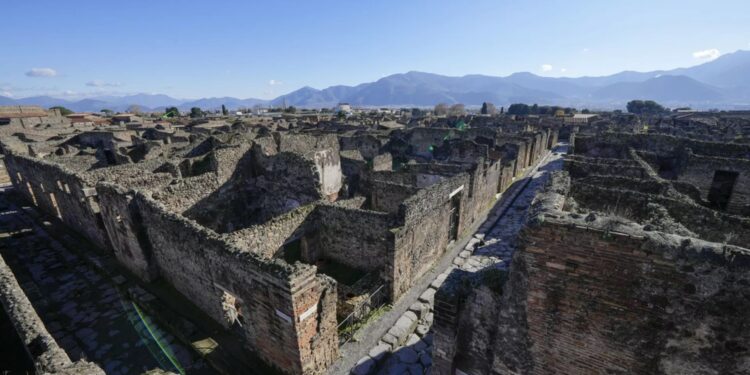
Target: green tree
<point>107,112</point>
<point>195,112</point>
<point>224,110</point>
<point>519,109</point>
<point>645,107</point>
<point>341,115</point>
<point>63,111</point>
<point>290,109</point>
<point>171,112</point>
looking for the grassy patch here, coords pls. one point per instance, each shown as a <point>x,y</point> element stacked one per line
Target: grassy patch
<point>374,315</point>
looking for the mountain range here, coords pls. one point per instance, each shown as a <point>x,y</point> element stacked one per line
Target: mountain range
<point>721,83</point>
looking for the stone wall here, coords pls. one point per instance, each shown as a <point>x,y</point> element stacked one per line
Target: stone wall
<point>483,188</point>
<point>367,145</point>
<point>424,235</point>
<point>708,224</point>
<point>387,196</point>
<point>699,171</point>
<point>601,302</point>
<point>46,355</point>
<point>286,323</point>
<point>127,235</point>
<point>660,144</point>
<point>357,238</point>
<point>584,296</point>
<point>59,192</point>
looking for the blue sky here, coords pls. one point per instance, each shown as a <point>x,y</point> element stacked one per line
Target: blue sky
<point>192,49</point>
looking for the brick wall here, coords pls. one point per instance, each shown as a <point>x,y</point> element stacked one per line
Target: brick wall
<point>59,192</point>
<point>286,309</point>
<point>584,301</point>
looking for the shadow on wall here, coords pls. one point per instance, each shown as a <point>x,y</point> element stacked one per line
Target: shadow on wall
<point>259,189</point>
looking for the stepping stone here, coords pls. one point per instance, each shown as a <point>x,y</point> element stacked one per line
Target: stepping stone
<point>390,339</point>
<point>379,351</point>
<point>420,309</point>
<point>428,296</point>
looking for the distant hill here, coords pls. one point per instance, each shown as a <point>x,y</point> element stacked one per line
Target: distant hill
<point>721,83</point>
<point>665,89</point>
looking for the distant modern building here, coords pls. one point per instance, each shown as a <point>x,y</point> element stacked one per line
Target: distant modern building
<point>125,118</point>
<point>86,118</point>
<point>344,107</point>
<point>580,118</point>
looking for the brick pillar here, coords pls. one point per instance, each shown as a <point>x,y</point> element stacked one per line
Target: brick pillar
<point>445,332</point>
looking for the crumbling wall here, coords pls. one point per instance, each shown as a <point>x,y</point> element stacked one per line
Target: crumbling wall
<point>604,302</point>
<point>282,306</point>
<point>367,145</point>
<point>709,224</point>
<point>584,300</point>
<point>424,236</point>
<point>387,197</point>
<point>267,238</point>
<point>357,238</point>
<point>658,143</point>
<point>484,187</point>
<point>580,167</point>
<point>699,171</point>
<point>47,356</point>
<point>127,235</point>
<point>60,193</point>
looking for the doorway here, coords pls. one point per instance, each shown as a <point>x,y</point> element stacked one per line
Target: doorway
<point>455,212</point>
<point>721,189</point>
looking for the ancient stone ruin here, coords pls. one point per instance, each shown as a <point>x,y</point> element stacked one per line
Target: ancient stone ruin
<point>310,245</point>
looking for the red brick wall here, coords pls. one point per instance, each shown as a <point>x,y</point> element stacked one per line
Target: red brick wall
<point>604,303</point>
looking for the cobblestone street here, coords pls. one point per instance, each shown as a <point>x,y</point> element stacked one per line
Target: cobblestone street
<point>83,310</point>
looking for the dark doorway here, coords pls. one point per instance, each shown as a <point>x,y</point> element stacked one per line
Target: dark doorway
<point>454,216</point>
<point>293,251</point>
<point>721,189</point>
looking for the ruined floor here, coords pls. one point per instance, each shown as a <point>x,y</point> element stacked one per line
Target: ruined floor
<point>84,310</point>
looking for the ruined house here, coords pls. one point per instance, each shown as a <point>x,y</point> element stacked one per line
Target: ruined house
<point>275,235</point>
<point>634,259</point>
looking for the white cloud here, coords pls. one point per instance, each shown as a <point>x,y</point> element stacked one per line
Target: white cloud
<point>98,83</point>
<point>274,82</point>
<point>41,72</point>
<point>6,93</point>
<point>708,54</point>
<point>585,50</point>
<point>563,70</point>
<point>546,67</point>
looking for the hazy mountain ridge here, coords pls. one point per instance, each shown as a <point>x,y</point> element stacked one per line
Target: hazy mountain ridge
<point>722,83</point>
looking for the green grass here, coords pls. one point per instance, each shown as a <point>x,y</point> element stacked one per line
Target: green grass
<point>374,315</point>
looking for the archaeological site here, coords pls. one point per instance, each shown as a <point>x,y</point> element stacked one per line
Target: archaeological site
<point>382,242</point>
